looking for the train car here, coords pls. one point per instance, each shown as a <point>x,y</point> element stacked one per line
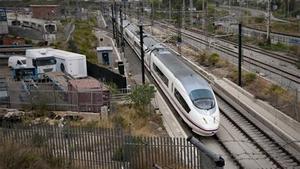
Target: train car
<point>189,93</point>
<point>32,23</point>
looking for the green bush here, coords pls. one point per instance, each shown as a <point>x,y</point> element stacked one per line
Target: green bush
<point>84,41</point>
<point>276,90</point>
<point>141,97</point>
<point>249,77</point>
<point>213,59</point>
<point>274,47</point>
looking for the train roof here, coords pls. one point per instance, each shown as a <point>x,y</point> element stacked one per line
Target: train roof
<point>188,77</point>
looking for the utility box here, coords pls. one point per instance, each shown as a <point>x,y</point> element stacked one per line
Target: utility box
<point>104,55</point>
<point>121,67</point>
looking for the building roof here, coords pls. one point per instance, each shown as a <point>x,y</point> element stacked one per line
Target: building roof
<point>44,5</point>
<point>64,54</point>
<point>104,48</point>
<point>87,84</point>
<point>46,52</point>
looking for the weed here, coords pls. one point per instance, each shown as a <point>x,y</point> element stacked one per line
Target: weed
<point>16,156</point>
<point>233,75</point>
<point>202,58</point>
<point>222,63</point>
<point>249,77</point>
<point>276,90</point>
<point>213,59</point>
<point>119,121</point>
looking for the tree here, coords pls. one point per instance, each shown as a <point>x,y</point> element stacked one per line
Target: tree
<point>141,97</point>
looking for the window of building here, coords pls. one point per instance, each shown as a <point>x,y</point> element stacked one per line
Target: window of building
<point>181,101</point>
<point>161,75</point>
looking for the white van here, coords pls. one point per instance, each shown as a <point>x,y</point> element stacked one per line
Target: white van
<point>17,62</point>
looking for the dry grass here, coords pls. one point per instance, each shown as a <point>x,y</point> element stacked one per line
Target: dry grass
<point>17,156</point>
<point>140,126</point>
<point>127,118</point>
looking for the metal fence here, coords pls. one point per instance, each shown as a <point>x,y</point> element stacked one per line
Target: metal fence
<point>51,97</point>
<point>107,148</point>
<point>58,100</point>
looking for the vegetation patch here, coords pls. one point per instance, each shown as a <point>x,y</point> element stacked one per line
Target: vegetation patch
<point>213,59</point>
<point>17,156</point>
<point>274,47</point>
<point>84,41</point>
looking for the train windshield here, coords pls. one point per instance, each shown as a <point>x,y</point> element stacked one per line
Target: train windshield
<point>203,99</point>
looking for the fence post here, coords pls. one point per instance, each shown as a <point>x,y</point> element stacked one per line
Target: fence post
<point>54,99</point>
<point>219,161</point>
<point>296,105</point>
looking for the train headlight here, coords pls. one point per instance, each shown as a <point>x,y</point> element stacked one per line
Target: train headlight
<point>204,120</point>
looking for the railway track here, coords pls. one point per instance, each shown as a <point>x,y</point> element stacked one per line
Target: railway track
<point>273,69</point>
<point>288,59</point>
<point>249,144</point>
<point>259,149</point>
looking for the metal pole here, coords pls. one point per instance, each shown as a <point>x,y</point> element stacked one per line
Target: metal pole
<point>121,29</point>
<point>269,23</point>
<point>183,12</point>
<point>117,31</point>
<point>142,53</point>
<point>152,17</point>
<point>203,16</point>
<point>113,20</point>
<point>219,161</point>
<point>240,55</point>
<point>191,12</point>
<point>170,10</point>
<point>125,12</point>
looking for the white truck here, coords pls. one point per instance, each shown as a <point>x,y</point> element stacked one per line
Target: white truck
<point>70,63</point>
<point>42,60</point>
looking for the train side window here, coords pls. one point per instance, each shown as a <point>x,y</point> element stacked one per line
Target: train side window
<point>181,101</point>
<point>161,75</point>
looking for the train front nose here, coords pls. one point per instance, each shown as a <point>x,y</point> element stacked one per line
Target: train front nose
<point>210,123</point>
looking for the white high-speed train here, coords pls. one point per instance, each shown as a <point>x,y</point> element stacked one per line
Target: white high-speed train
<point>190,94</point>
